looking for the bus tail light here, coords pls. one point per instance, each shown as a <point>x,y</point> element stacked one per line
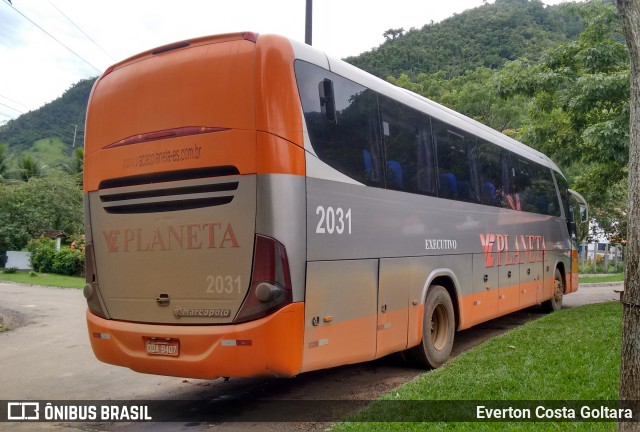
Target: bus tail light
<point>270,287</point>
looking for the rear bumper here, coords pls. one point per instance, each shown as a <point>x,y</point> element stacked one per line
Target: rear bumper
<point>271,346</point>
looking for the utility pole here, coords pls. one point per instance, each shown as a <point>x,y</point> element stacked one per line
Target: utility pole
<point>308,23</point>
<point>74,136</point>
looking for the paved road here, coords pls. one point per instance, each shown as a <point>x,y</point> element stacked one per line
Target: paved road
<point>47,356</point>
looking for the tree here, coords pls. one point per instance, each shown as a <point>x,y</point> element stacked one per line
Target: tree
<point>579,111</point>
<point>474,94</point>
<point>630,352</point>
<point>3,162</point>
<point>75,167</point>
<point>28,208</point>
<point>393,33</point>
<point>488,35</point>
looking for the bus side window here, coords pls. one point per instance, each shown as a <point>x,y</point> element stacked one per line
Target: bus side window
<point>456,163</point>
<point>490,165</point>
<point>407,148</point>
<point>523,189</point>
<point>349,139</point>
<point>563,187</point>
<point>546,197</point>
<point>534,187</point>
<point>425,170</point>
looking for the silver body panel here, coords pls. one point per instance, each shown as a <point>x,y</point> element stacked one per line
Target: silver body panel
<point>197,261</point>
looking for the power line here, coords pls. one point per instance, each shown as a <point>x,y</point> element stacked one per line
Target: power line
<point>52,127</point>
<point>14,101</point>
<point>79,125</point>
<point>52,37</point>
<point>82,31</point>
<point>4,105</point>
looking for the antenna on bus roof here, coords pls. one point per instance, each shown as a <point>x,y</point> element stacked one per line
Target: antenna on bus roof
<point>308,23</point>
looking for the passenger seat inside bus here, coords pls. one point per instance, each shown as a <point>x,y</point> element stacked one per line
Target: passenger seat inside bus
<point>489,193</point>
<point>448,187</point>
<point>395,177</point>
<point>394,174</point>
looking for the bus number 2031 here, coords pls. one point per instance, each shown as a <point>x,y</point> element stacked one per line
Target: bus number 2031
<point>223,285</point>
<point>333,220</point>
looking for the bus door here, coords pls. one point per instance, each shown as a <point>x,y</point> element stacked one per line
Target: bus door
<point>393,306</point>
<point>485,290</point>
<point>509,288</point>
<point>531,279</point>
<point>340,313</point>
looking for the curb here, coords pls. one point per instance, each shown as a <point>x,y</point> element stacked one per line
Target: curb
<point>600,284</point>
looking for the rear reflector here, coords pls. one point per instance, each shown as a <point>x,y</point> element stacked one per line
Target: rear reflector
<point>250,36</point>
<point>164,134</point>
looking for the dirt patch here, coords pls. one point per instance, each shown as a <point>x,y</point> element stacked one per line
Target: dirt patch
<point>11,319</point>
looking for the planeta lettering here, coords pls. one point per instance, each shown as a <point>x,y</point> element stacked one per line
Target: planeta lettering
<point>210,235</point>
<point>504,250</point>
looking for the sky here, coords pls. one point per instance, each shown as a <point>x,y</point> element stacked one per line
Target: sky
<point>46,46</point>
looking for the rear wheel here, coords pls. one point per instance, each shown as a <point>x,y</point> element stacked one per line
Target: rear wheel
<point>438,330</point>
<point>555,302</point>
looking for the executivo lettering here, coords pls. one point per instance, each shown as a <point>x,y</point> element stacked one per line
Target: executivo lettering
<point>440,244</point>
<point>209,235</point>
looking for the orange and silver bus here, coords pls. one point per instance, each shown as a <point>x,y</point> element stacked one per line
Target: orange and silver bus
<point>257,208</point>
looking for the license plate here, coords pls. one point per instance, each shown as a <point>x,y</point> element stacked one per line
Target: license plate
<point>163,347</point>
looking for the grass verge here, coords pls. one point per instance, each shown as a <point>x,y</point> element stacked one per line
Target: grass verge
<point>615,277</point>
<point>44,279</point>
<point>571,355</point>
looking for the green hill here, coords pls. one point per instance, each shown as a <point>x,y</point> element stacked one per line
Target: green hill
<point>486,36</point>
<point>50,132</point>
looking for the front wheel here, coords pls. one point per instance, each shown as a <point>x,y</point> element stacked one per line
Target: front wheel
<point>438,330</point>
<point>555,302</point>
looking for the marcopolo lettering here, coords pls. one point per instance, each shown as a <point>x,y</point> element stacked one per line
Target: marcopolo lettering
<point>179,312</point>
<point>209,235</point>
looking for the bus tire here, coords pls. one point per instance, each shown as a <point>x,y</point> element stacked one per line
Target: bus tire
<point>438,330</point>
<point>555,302</point>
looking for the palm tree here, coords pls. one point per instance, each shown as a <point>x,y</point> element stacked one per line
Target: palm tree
<point>28,167</point>
<point>75,167</point>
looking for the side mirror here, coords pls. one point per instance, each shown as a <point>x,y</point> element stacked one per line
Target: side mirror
<point>327,100</point>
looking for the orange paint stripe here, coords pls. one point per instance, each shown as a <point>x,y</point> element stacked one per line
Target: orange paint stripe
<point>391,332</point>
<point>271,346</point>
<point>483,306</point>
<point>340,343</point>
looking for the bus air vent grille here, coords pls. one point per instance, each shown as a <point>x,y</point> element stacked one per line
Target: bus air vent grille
<point>168,197</point>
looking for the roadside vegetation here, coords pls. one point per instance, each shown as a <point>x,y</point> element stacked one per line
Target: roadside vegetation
<point>44,279</point>
<point>614,277</point>
<point>571,355</point>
